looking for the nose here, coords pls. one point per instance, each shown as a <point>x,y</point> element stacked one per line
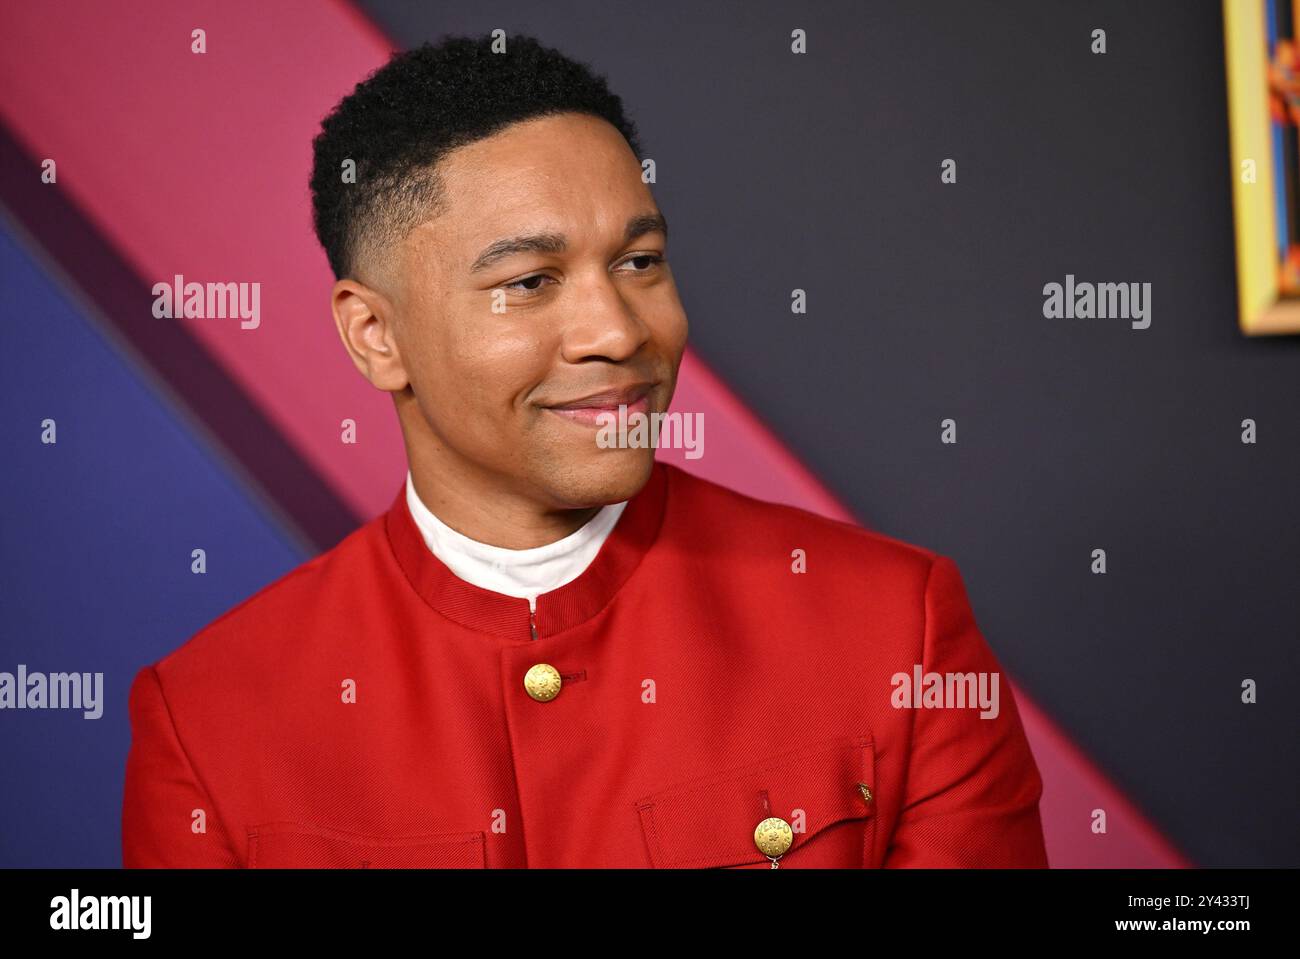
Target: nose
<point>603,325</point>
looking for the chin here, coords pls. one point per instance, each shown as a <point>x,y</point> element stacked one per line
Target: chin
<point>611,476</point>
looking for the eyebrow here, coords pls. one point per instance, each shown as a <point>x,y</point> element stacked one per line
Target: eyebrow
<point>639,225</point>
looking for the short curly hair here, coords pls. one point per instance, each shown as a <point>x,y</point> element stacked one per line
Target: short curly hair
<point>403,118</point>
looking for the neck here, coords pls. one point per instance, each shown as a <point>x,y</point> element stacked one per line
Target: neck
<point>496,517</point>
<point>483,505</point>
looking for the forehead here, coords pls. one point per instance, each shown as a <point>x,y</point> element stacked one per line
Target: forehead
<point>572,173</point>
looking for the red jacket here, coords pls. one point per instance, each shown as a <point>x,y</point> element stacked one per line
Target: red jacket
<point>370,709</point>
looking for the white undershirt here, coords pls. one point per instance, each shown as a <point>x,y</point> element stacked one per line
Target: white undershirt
<point>524,573</point>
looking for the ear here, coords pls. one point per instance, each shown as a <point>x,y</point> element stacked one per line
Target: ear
<point>364,318</point>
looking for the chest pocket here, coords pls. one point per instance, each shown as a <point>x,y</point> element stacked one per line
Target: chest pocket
<point>820,790</point>
<point>295,845</point>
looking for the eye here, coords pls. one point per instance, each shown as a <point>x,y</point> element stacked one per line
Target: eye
<point>532,285</point>
<point>528,285</point>
<point>649,262</point>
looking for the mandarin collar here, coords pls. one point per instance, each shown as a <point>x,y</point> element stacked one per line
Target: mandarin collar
<point>509,617</point>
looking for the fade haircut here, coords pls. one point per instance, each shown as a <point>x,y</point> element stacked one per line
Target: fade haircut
<point>406,116</point>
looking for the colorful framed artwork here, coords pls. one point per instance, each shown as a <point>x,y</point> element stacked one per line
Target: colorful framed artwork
<point>1262,56</point>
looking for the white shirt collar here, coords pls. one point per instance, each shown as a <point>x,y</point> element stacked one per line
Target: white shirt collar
<point>524,573</point>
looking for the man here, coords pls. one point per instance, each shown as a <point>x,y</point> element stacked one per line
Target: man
<point>551,652</point>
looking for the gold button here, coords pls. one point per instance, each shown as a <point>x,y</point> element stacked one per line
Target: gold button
<point>865,790</point>
<point>773,837</point>
<point>542,682</point>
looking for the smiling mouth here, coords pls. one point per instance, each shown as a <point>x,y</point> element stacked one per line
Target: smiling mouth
<point>591,415</point>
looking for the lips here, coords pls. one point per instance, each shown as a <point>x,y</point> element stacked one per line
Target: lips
<point>588,410</point>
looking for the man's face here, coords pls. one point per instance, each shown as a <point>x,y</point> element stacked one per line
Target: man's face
<point>584,308</point>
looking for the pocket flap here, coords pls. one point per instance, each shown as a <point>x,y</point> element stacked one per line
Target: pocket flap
<point>710,821</point>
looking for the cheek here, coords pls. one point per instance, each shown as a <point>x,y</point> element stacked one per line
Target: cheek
<point>670,333</point>
<point>667,319</point>
<point>679,332</point>
<point>480,375</point>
